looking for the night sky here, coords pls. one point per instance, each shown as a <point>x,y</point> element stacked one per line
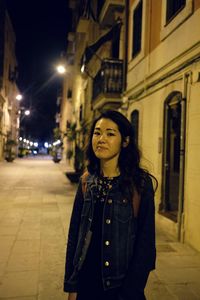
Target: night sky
<point>41,28</point>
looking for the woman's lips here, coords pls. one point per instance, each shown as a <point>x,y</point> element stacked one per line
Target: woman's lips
<point>101,148</point>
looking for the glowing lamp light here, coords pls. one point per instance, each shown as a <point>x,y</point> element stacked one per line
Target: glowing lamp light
<point>83,68</point>
<point>27,112</point>
<point>61,69</point>
<point>57,142</point>
<point>19,97</point>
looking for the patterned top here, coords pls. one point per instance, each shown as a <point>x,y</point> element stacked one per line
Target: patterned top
<point>104,184</point>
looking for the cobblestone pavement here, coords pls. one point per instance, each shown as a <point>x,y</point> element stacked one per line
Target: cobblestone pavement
<point>35,207</point>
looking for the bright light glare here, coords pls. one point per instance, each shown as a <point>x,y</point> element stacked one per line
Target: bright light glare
<point>35,144</point>
<point>61,69</point>
<point>27,112</point>
<point>82,68</point>
<point>46,145</point>
<point>19,97</point>
<point>57,142</point>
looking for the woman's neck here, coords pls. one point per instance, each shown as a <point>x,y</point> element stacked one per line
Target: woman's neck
<point>109,169</point>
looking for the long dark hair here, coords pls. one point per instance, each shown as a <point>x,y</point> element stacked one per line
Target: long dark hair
<point>133,176</point>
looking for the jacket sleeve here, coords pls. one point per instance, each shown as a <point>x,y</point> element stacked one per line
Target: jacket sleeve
<point>143,260</point>
<point>72,239</point>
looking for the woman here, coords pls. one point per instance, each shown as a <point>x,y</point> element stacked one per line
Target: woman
<point>111,240</point>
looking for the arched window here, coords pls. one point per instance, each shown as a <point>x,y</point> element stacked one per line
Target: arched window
<point>135,123</point>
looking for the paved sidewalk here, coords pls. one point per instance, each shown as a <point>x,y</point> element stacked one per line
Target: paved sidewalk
<point>35,207</point>
<point>177,274</point>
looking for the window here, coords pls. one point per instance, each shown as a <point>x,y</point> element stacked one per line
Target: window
<point>81,113</point>
<point>174,13</point>
<point>173,7</point>
<point>135,123</point>
<point>115,43</point>
<point>69,93</point>
<point>137,29</point>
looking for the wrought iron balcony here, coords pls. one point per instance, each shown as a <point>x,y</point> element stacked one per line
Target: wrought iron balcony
<point>108,82</point>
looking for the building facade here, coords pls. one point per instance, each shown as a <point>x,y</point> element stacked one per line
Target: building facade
<point>9,118</point>
<point>142,57</point>
<point>163,85</point>
<point>94,74</point>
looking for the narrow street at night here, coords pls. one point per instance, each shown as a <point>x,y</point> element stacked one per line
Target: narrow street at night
<point>35,205</point>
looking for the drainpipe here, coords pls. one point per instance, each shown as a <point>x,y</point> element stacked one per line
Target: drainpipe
<point>125,100</point>
<point>126,44</point>
<point>182,160</point>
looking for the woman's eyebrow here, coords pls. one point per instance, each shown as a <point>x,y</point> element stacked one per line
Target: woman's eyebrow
<point>97,128</point>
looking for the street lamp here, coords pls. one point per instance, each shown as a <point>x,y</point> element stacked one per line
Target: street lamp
<point>23,112</point>
<point>19,97</point>
<point>61,69</point>
<point>27,112</point>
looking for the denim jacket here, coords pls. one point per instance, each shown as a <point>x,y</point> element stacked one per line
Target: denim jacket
<point>128,243</point>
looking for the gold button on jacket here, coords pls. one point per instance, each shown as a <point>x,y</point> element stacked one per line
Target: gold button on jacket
<point>107,263</point>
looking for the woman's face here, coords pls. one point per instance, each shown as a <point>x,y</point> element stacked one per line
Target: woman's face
<point>106,140</point>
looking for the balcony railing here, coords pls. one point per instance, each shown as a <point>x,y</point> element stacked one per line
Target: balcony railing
<point>109,79</point>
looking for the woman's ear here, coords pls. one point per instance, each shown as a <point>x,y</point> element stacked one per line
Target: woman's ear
<point>126,142</point>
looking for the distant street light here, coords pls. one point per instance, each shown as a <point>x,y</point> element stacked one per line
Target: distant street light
<point>22,113</point>
<point>27,112</point>
<point>82,68</point>
<point>61,69</point>
<point>57,142</point>
<point>19,97</point>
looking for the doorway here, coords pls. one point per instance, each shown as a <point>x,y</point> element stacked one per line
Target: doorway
<point>171,156</point>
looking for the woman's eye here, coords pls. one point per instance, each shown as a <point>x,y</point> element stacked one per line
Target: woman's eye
<point>96,133</point>
<point>111,134</point>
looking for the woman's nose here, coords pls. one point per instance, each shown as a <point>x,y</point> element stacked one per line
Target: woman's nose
<point>102,138</point>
